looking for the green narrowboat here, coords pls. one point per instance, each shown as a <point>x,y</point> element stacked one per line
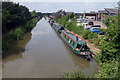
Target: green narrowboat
<point>58,27</point>
<point>77,44</point>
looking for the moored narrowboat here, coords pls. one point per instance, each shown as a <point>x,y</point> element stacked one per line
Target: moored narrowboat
<point>77,44</point>
<point>51,22</point>
<point>58,27</point>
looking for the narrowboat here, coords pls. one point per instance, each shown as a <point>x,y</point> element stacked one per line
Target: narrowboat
<point>58,27</point>
<point>51,22</point>
<point>77,44</point>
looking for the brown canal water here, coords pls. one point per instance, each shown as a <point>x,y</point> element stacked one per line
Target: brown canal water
<point>43,54</point>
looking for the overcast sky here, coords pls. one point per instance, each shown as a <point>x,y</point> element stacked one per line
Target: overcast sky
<point>65,0</point>
<point>67,5</point>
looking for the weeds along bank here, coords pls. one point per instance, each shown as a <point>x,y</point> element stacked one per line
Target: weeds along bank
<point>17,20</point>
<point>17,34</point>
<point>109,44</point>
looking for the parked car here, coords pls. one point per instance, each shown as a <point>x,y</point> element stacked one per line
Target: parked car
<point>96,30</point>
<point>96,26</point>
<point>92,18</point>
<point>79,20</point>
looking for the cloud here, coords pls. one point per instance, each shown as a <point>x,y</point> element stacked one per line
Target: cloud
<point>68,6</point>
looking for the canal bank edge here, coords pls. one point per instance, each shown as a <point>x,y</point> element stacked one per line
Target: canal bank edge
<point>16,35</point>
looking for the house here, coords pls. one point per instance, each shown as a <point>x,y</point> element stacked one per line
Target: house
<point>91,16</point>
<point>61,12</point>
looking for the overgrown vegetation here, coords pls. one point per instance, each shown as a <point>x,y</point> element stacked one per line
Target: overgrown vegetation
<point>17,19</point>
<point>17,34</point>
<point>109,43</point>
<point>110,46</point>
<point>76,75</point>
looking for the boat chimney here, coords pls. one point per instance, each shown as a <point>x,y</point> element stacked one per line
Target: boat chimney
<point>76,38</point>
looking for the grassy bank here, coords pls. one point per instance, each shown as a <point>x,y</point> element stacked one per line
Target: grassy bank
<point>76,75</point>
<point>17,34</point>
<point>109,44</point>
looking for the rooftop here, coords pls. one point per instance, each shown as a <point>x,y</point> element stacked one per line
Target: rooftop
<point>102,11</point>
<point>111,10</point>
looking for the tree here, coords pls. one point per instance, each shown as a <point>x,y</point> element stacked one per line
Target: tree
<point>14,15</point>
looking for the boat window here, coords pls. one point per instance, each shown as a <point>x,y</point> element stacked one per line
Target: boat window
<point>72,43</point>
<point>65,36</point>
<point>85,47</point>
<point>78,46</point>
<point>69,40</point>
<point>62,28</point>
<point>76,38</point>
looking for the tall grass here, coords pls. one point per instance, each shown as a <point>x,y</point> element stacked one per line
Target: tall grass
<point>77,75</point>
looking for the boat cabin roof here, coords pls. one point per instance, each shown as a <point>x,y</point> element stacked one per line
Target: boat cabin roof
<point>57,25</point>
<point>74,37</point>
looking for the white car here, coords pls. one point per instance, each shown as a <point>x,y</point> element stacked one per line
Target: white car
<point>79,20</point>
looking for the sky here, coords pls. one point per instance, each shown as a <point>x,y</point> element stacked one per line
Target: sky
<point>76,6</point>
<point>65,0</point>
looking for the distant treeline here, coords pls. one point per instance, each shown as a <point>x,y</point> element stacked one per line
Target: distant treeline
<point>15,15</point>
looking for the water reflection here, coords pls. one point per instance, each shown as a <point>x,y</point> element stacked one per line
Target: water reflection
<point>16,51</point>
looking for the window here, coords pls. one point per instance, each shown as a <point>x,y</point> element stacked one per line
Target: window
<point>85,47</point>
<point>65,36</point>
<point>78,46</point>
<point>69,40</point>
<point>72,42</point>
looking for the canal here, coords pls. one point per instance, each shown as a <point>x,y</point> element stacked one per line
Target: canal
<point>43,54</point>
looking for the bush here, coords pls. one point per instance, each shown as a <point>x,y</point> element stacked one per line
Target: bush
<point>5,45</point>
<point>29,27</point>
<point>109,70</point>
<point>91,40</point>
<point>18,33</point>
<point>92,35</point>
<point>85,34</point>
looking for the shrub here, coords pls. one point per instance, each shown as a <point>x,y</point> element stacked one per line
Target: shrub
<point>91,40</point>
<point>5,45</point>
<point>109,70</point>
<point>85,34</point>
<point>18,33</point>
<point>92,35</point>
